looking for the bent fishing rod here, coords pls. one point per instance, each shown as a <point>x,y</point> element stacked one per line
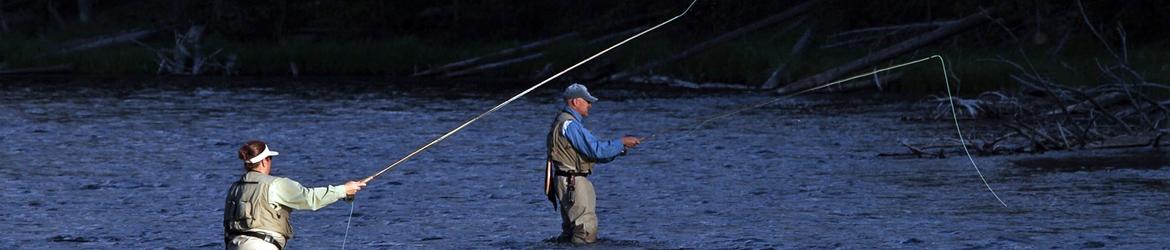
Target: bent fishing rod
<point>517,96</point>
<point>946,82</point>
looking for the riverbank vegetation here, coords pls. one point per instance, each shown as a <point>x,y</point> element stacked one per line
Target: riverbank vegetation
<point>405,38</point>
<point>1065,74</point>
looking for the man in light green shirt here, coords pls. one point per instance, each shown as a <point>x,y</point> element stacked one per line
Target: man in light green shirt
<point>258,206</point>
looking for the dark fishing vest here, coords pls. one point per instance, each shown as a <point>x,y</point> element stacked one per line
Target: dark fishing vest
<point>561,151</point>
<point>247,207</point>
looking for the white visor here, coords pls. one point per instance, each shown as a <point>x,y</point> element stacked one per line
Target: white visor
<point>262,155</point>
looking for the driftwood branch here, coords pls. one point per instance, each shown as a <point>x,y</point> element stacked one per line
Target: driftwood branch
<point>506,52</point>
<point>887,53</point>
<point>1104,100</point>
<point>528,57</point>
<point>787,14</point>
<point>38,70</point>
<point>51,6</point>
<point>1149,139</point>
<point>876,33</point>
<point>1093,29</point>
<point>618,34</point>
<point>900,27</point>
<point>187,57</point>
<point>797,49</point>
<point>879,81</point>
<point>107,40</point>
<point>664,80</point>
<point>529,51</point>
<point>494,65</point>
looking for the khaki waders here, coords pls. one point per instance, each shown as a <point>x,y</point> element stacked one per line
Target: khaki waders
<point>578,209</point>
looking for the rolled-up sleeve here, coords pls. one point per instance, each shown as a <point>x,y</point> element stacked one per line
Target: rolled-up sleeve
<point>601,151</point>
<point>289,193</point>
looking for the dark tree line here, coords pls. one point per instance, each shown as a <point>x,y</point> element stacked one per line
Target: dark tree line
<point>273,20</point>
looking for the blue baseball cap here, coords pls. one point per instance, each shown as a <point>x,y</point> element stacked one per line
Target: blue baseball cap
<point>579,91</point>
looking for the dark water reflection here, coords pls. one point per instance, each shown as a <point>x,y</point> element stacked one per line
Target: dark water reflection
<point>148,166</point>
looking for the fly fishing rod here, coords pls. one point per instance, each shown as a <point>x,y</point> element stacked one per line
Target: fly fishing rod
<point>946,82</point>
<point>517,96</point>
<point>493,109</point>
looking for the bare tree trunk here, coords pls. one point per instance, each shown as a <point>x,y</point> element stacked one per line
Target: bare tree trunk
<point>797,49</point>
<point>3,19</point>
<point>887,53</point>
<point>279,36</point>
<point>56,15</point>
<point>787,14</point>
<point>39,70</point>
<point>83,10</point>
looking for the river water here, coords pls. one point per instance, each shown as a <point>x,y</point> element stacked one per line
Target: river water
<point>147,165</point>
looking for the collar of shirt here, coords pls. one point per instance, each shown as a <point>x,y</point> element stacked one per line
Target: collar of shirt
<point>576,116</point>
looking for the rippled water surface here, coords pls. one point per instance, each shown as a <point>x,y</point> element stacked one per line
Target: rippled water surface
<point>148,166</point>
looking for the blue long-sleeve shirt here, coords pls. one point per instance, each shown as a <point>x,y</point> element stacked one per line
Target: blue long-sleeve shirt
<point>583,141</point>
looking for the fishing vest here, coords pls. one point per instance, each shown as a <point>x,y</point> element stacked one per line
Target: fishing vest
<point>247,207</point>
<point>560,150</point>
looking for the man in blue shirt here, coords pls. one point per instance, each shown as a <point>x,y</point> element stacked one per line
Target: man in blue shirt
<point>572,152</point>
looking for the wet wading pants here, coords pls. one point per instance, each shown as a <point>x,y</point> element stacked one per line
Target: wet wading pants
<point>578,209</point>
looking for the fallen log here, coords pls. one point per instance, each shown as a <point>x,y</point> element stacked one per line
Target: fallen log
<point>494,65</point>
<point>879,81</point>
<point>63,68</point>
<point>668,81</point>
<point>529,57</point>
<point>923,151</point>
<point>618,34</point>
<point>797,49</point>
<point>1141,140</point>
<point>886,29</point>
<point>787,14</point>
<point>876,33</point>
<point>103,41</point>
<point>887,53</point>
<point>1135,140</point>
<point>1105,100</point>
<point>505,52</point>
